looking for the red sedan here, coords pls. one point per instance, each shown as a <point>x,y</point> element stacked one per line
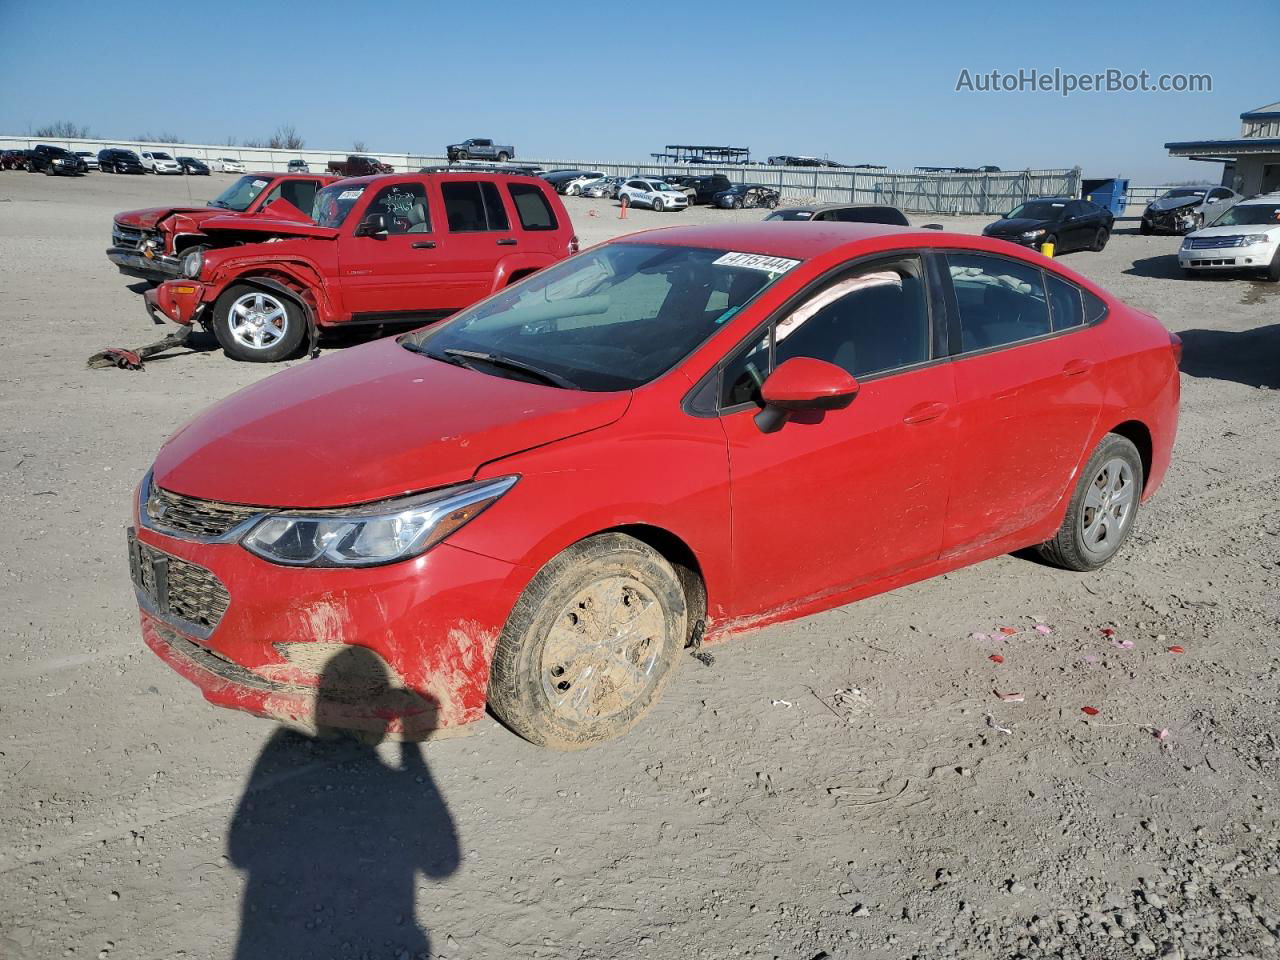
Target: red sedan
<point>674,437</point>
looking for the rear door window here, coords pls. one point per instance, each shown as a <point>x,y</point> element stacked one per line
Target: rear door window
<point>473,206</point>
<point>532,207</point>
<point>1064,303</point>
<point>1000,301</point>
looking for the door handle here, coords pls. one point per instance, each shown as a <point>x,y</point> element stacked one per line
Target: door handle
<point>424,245</point>
<point>1073,368</point>
<point>507,242</point>
<point>924,412</point>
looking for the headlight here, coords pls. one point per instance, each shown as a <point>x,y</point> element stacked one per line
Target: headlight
<point>374,534</point>
<point>1032,234</point>
<point>1249,239</point>
<point>192,264</point>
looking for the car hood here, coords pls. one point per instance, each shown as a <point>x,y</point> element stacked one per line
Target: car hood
<point>369,423</point>
<point>1173,203</point>
<point>1270,229</point>
<point>1016,225</point>
<point>148,219</point>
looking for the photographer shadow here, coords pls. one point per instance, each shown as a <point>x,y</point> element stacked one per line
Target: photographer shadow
<point>333,839</point>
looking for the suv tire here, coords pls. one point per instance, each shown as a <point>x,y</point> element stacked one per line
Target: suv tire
<point>267,326</point>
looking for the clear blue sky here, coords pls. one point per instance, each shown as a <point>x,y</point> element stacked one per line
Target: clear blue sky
<point>858,82</point>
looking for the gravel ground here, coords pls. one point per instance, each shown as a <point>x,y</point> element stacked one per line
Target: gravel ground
<point>845,783</point>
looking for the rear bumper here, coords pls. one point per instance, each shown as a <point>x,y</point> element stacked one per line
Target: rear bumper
<point>133,264</point>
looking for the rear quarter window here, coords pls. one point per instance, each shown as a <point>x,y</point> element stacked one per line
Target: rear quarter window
<point>532,208</point>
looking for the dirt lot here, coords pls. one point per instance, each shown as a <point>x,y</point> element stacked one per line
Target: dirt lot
<point>847,783</point>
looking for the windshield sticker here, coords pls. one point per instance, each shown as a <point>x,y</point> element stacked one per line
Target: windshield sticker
<point>259,184</point>
<point>756,261</point>
<point>350,194</point>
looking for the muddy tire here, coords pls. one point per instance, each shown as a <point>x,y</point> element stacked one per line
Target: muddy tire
<point>1103,508</point>
<point>590,644</point>
<point>257,325</point>
<point>1272,272</point>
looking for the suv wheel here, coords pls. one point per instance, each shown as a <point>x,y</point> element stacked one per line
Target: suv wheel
<point>256,325</point>
<point>503,157</point>
<point>590,644</point>
<point>657,205</point>
<point>1273,272</point>
<point>463,155</point>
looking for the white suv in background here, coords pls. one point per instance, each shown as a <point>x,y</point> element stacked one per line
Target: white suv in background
<point>156,162</point>
<point>1246,237</point>
<point>654,194</point>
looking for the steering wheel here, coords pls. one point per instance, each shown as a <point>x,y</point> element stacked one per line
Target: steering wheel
<point>754,373</point>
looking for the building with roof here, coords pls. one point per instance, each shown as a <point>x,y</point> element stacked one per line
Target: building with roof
<point>1251,163</point>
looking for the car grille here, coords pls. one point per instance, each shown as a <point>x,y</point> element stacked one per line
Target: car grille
<point>178,588</point>
<point>205,519</point>
<point>130,237</point>
<point>1213,263</point>
<point>1214,243</point>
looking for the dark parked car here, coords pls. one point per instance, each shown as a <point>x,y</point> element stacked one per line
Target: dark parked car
<point>54,160</point>
<point>1066,223</point>
<point>115,160</point>
<point>194,167</point>
<point>844,213</point>
<point>742,195</point>
<point>705,186</point>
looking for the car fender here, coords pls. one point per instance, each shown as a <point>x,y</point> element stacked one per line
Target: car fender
<point>518,263</point>
<point>296,277</point>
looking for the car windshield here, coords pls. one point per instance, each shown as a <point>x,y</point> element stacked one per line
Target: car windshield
<point>612,318</point>
<point>1037,210</point>
<point>333,203</point>
<point>241,194</point>
<point>1250,215</point>
<point>157,155</point>
<point>1172,194</point>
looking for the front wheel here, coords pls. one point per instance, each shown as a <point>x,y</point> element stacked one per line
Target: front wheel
<point>590,644</point>
<point>1102,510</point>
<point>463,155</point>
<point>256,325</point>
<point>1144,228</point>
<point>1273,271</point>
<point>658,205</point>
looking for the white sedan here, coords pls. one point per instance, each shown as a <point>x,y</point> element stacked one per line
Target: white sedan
<point>226,165</point>
<point>654,194</point>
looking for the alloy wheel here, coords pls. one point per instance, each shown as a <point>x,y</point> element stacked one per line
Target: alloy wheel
<point>258,321</point>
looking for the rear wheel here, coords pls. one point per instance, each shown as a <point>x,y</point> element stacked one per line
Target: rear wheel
<point>590,644</point>
<point>1144,228</point>
<point>1102,510</point>
<point>503,156</point>
<point>256,325</point>
<point>1100,239</point>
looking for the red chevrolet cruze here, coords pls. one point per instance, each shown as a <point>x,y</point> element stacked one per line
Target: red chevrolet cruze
<point>673,437</point>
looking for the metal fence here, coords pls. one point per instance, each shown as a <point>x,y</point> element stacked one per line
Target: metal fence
<point>911,190</point>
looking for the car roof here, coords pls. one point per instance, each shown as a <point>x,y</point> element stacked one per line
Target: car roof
<point>464,174</point>
<point>797,240</point>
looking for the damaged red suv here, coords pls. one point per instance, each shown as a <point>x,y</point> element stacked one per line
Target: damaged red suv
<point>150,244</point>
<point>393,250</point>
<point>536,505</point>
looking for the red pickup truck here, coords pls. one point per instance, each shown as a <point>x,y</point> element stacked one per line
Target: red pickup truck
<point>391,250</point>
<point>150,244</point>
<point>358,165</point>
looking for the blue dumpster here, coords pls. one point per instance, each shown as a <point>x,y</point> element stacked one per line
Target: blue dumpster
<point>1111,193</point>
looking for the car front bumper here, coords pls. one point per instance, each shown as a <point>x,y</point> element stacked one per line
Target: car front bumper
<point>1227,258</point>
<point>1032,243</point>
<point>180,301</point>
<point>428,626</point>
<point>1170,221</point>
<point>132,263</point>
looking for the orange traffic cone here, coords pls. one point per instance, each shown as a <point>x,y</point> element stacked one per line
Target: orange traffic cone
<point>622,215</point>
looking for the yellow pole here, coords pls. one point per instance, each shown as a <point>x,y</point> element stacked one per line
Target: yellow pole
<point>1047,250</point>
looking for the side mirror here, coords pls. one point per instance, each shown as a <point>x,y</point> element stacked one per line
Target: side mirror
<point>374,225</point>
<point>932,226</point>
<point>803,383</point>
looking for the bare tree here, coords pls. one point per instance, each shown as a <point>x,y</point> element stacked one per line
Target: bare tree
<point>231,142</point>
<point>65,130</point>
<point>255,143</point>
<point>164,136</point>
<point>286,138</point>
<point>358,146</point>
